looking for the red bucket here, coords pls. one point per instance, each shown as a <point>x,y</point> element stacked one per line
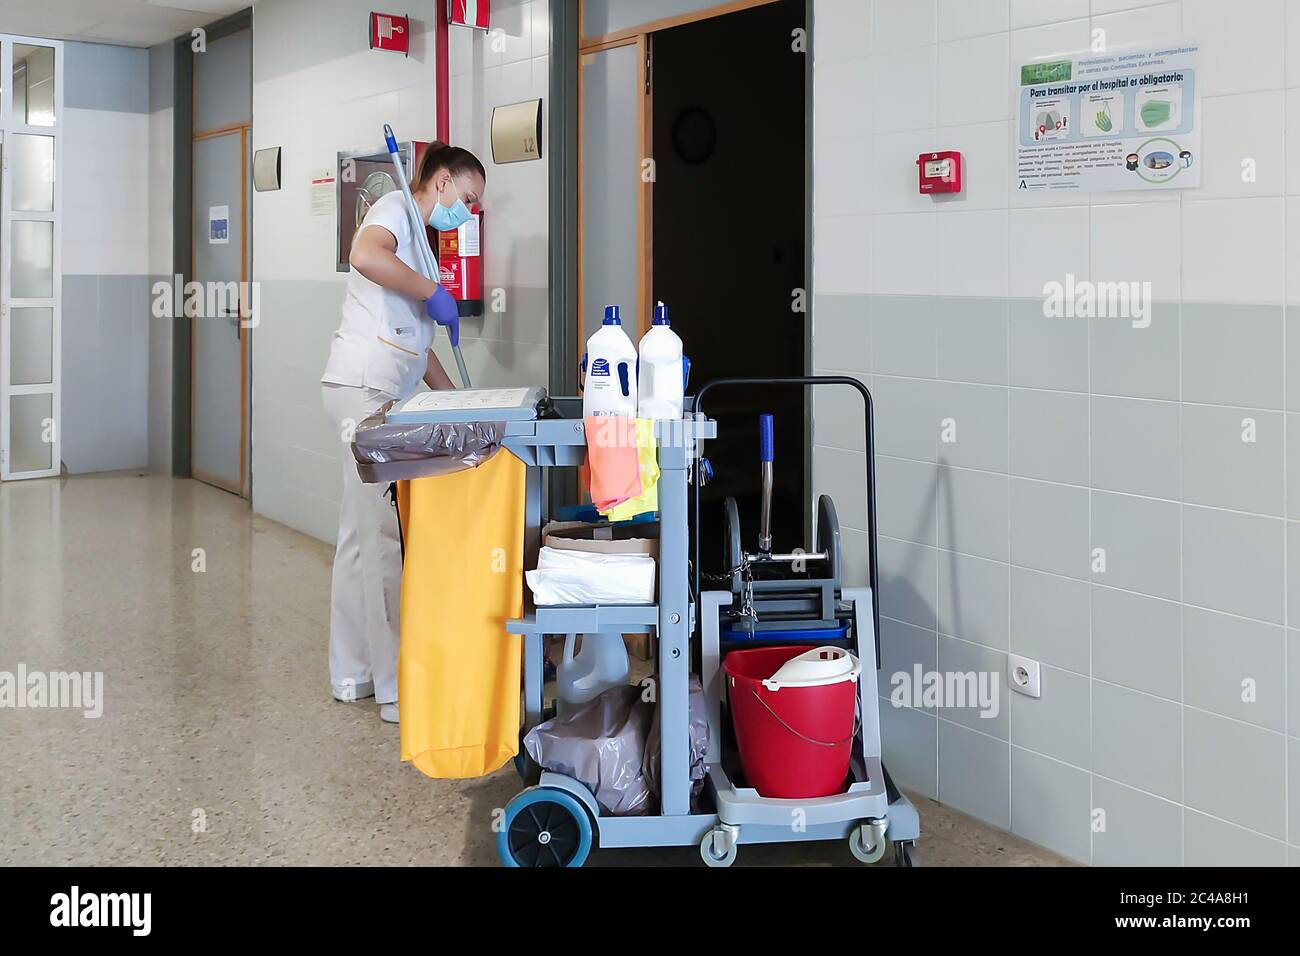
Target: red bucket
<point>795,741</point>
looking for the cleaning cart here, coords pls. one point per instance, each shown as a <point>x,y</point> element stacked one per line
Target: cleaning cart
<point>762,596</point>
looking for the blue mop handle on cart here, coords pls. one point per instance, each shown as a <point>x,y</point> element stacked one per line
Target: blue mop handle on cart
<point>428,265</point>
<point>766,455</point>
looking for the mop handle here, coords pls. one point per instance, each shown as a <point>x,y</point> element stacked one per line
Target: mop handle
<point>423,251</point>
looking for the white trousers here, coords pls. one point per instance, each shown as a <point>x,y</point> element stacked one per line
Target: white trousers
<point>365,595</point>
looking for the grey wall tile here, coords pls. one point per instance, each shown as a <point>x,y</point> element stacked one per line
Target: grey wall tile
<point>1220,652</point>
<point>1057,723</point>
<point>973,599</point>
<point>904,335</point>
<point>838,415</point>
<point>973,512</point>
<point>907,582</point>
<point>162,70</point>
<point>1141,830</point>
<point>1211,842</point>
<point>902,648</point>
<point>989,668</point>
<point>1293,461</point>
<point>1236,772</point>
<point>1050,804</point>
<point>1293,787</point>
<point>1232,354</point>
<point>1141,363</point>
<point>841,332</point>
<point>1049,619</point>
<point>100,76</point>
<point>1293,688</point>
<point>975,774</point>
<point>979,416</point>
<point>1141,539</point>
<point>854,552</point>
<point>973,340</point>
<point>1293,359</point>
<point>1049,527</point>
<point>1137,641</point>
<point>909,747</point>
<point>905,420</point>
<point>1233,562</point>
<point>1222,469</point>
<point>1045,352</point>
<point>1135,446</point>
<point>1150,758</point>
<point>1049,435</point>
<point>843,475</point>
<point>1293,572</point>
<point>906,499</point>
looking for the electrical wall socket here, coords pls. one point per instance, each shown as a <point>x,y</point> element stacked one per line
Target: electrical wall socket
<point>1023,676</point>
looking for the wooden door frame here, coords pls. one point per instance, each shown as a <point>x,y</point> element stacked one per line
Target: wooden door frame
<point>243,488</point>
<point>640,36</point>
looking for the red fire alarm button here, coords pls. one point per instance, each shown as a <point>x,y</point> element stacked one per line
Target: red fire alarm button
<point>388,31</point>
<point>939,172</point>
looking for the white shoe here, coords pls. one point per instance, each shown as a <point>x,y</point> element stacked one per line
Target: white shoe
<point>350,691</point>
<point>388,713</point>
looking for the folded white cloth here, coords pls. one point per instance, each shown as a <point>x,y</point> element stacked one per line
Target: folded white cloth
<point>583,577</point>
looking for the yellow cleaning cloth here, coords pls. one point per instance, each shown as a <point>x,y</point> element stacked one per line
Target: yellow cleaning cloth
<point>458,673</point>
<point>647,454</point>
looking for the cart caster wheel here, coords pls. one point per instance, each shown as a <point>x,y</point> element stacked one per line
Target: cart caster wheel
<point>718,848</point>
<point>867,842</point>
<point>905,853</point>
<point>544,827</point>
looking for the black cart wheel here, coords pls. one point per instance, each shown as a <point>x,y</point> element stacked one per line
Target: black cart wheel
<point>544,827</point>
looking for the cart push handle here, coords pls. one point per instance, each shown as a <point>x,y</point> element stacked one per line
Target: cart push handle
<point>767,453</point>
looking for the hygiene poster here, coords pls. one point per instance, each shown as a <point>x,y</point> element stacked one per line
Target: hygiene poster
<point>1122,119</point>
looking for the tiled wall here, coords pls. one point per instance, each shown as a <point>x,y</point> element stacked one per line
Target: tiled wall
<point>106,198</point>
<point>320,90</point>
<point>1072,434</point>
<point>161,149</point>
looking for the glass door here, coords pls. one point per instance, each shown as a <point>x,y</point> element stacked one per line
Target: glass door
<point>31,100</point>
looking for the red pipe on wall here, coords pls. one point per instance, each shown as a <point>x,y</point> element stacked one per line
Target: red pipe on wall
<point>442,71</point>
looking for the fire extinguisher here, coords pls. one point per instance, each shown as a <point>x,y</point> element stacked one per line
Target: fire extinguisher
<point>460,263</point>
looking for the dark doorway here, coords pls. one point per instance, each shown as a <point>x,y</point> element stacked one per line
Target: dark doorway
<point>729,215</point>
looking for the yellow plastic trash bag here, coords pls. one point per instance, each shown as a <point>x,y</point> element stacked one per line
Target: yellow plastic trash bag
<point>458,672</point>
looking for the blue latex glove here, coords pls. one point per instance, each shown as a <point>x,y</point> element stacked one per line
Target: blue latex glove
<point>442,308</point>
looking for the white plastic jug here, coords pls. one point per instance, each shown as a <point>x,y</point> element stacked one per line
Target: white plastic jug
<point>662,375</point>
<point>610,366</point>
<point>601,664</point>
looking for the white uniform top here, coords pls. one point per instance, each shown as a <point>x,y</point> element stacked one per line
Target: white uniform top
<point>382,340</point>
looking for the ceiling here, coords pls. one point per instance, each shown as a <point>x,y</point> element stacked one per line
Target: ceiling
<point>124,22</point>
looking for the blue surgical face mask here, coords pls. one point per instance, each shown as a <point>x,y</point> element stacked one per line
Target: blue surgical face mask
<point>446,218</point>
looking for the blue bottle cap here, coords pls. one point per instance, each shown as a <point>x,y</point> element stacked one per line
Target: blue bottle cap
<point>611,316</point>
<point>661,315</point>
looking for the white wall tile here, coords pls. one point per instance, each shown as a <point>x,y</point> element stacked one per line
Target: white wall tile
<point>1138,242</point>
<point>1239,130</point>
<point>904,261</point>
<point>1293,42</point>
<point>1233,250</point>
<point>968,18</point>
<point>1293,140</point>
<point>904,89</point>
<point>1049,243</point>
<point>986,165</point>
<point>842,264</point>
<point>1242,44</point>
<point>973,249</point>
<point>900,24</point>
<point>1146,24</point>
<point>841,29</point>
<point>1029,13</point>
<point>842,175</point>
<point>973,78</point>
<point>842,98</point>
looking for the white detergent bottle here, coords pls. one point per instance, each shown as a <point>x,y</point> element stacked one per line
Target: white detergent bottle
<point>610,366</point>
<point>662,373</point>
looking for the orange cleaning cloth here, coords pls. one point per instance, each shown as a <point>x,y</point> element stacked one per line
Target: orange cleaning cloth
<point>613,469</point>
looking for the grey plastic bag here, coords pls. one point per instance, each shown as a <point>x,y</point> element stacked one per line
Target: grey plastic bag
<point>611,746</point>
<point>387,452</point>
<point>600,745</point>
